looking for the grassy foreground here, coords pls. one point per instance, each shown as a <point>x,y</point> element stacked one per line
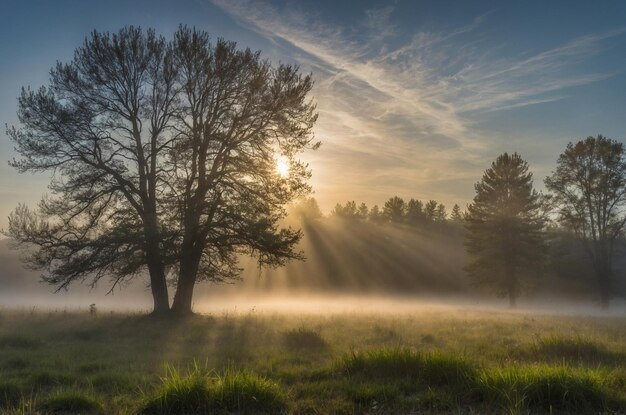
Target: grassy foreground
<point>426,361</point>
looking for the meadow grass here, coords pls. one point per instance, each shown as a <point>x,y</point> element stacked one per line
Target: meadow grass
<point>424,361</point>
<point>304,339</point>
<point>70,401</point>
<point>205,392</point>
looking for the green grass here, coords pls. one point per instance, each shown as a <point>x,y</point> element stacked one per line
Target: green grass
<point>429,361</point>
<point>303,339</point>
<point>10,395</point>
<point>200,392</point>
<point>575,349</point>
<point>70,402</point>
<point>11,341</point>
<point>432,369</point>
<point>546,389</point>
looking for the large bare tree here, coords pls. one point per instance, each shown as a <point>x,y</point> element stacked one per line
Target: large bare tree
<point>163,158</point>
<point>589,190</point>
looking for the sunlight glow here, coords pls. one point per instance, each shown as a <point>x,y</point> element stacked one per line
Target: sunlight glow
<point>282,166</point>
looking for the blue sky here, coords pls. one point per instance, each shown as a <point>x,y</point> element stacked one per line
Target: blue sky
<point>415,97</point>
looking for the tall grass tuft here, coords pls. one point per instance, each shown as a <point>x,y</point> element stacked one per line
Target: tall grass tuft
<point>199,392</point>
<point>544,388</point>
<point>10,395</point>
<point>245,391</point>
<point>434,369</point>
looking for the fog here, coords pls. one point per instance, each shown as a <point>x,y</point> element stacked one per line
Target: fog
<point>349,267</point>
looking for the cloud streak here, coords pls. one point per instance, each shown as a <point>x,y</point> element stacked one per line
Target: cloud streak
<point>410,109</point>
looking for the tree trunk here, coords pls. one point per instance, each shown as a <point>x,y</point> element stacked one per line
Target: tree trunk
<point>158,285</point>
<point>184,295</point>
<point>156,269</point>
<point>190,261</point>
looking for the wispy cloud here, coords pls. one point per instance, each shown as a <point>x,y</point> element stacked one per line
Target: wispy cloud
<point>411,109</point>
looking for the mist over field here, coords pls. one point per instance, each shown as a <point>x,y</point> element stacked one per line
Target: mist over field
<point>349,266</point>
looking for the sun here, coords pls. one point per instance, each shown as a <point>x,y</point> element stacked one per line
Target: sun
<point>282,166</point>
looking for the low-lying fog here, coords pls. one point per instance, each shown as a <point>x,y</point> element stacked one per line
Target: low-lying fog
<point>349,268</point>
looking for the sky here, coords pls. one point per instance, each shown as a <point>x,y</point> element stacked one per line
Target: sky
<point>415,98</point>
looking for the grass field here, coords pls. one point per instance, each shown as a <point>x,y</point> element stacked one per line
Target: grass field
<point>425,360</point>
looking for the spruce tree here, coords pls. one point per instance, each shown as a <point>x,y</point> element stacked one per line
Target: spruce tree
<point>504,226</point>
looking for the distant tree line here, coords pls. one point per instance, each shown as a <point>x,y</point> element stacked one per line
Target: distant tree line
<point>513,234</point>
<point>395,210</point>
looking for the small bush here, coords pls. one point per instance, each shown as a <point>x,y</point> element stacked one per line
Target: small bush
<point>304,339</point>
<point>199,393</point>
<point>10,395</point>
<point>70,402</point>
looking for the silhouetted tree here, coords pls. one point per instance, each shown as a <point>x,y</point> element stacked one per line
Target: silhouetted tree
<point>441,214</point>
<point>349,211</point>
<point>504,225</point>
<point>394,209</point>
<point>456,215</point>
<point>165,154</point>
<point>430,210</point>
<point>307,208</point>
<point>375,215</point>
<point>589,190</point>
<point>414,212</point>
<point>363,211</point>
